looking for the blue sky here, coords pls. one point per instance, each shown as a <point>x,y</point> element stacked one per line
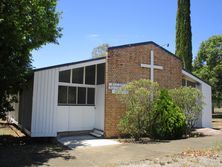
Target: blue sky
<point>89,23</point>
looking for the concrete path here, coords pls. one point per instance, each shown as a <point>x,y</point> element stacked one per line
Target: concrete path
<point>115,155</point>
<point>84,141</point>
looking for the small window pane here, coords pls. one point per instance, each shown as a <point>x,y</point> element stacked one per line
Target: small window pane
<point>91,96</point>
<point>81,95</point>
<point>77,75</point>
<point>72,95</point>
<point>62,95</point>
<point>191,84</point>
<point>64,76</point>
<point>100,73</point>
<point>90,75</point>
<point>183,82</point>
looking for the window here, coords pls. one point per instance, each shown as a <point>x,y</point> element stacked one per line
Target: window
<point>191,84</point>
<point>72,95</point>
<point>100,73</point>
<point>183,82</point>
<point>90,75</point>
<point>64,76</point>
<point>188,83</point>
<point>62,95</point>
<point>77,75</point>
<point>81,95</point>
<point>90,96</point>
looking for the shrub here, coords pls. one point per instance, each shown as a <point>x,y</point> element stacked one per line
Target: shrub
<point>190,102</point>
<point>168,121</point>
<point>138,96</point>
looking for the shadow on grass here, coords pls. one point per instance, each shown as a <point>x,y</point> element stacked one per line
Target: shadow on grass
<point>26,151</point>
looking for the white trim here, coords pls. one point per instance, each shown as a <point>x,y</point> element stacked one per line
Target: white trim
<point>79,65</point>
<point>192,77</point>
<point>76,85</point>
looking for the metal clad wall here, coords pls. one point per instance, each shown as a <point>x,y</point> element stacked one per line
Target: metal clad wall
<point>47,117</point>
<point>44,103</point>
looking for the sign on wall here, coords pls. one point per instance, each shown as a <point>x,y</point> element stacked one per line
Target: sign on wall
<point>115,86</point>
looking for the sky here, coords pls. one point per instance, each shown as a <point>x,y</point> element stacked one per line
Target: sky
<point>89,23</point>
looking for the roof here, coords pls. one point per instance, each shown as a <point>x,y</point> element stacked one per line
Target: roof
<point>196,77</point>
<point>67,64</point>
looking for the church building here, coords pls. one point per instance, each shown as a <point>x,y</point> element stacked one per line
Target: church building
<point>81,96</point>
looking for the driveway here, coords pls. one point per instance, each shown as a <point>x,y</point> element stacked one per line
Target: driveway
<point>114,155</point>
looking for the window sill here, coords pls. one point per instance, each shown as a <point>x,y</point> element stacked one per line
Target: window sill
<point>87,105</point>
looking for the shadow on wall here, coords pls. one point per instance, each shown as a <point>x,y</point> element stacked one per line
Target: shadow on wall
<point>25,151</point>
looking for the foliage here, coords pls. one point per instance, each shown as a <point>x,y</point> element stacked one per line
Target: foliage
<point>208,65</point>
<point>183,34</point>
<point>25,25</point>
<point>190,102</point>
<point>139,97</point>
<point>100,51</point>
<point>168,121</point>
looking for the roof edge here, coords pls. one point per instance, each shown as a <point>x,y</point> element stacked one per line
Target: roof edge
<point>197,77</point>
<point>67,64</point>
<point>144,43</point>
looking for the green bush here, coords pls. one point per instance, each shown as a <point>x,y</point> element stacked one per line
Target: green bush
<point>189,100</point>
<point>138,96</point>
<point>168,121</point>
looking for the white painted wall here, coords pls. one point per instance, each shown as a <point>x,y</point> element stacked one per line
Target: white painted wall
<point>100,107</point>
<point>205,119</point>
<point>47,117</point>
<point>45,92</point>
<point>207,110</point>
<point>75,118</point>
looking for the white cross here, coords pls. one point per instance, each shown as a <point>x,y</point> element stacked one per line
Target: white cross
<point>152,66</point>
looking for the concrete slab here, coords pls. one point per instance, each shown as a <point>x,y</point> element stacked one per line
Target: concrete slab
<point>84,141</point>
<point>208,132</point>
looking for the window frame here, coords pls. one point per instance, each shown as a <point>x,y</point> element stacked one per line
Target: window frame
<point>87,86</point>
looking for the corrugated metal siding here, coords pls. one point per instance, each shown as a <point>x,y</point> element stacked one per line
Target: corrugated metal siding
<point>47,118</point>
<point>44,103</point>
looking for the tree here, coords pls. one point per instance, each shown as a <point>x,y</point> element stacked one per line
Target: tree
<point>138,96</point>
<point>100,51</point>
<point>168,121</point>
<point>183,34</point>
<point>25,25</point>
<point>208,65</point>
<point>190,101</point>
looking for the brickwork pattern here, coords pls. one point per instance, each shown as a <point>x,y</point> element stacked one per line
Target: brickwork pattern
<point>124,65</point>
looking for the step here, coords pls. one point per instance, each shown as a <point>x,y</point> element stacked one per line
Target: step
<point>98,131</point>
<point>96,134</point>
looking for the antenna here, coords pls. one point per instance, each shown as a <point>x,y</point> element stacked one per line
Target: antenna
<point>167,45</point>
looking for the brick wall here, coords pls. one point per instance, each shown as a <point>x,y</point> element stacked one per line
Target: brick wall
<point>123,65</point>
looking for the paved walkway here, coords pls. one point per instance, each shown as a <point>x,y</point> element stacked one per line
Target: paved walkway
<point>115,155</point>
<point>84,141</point>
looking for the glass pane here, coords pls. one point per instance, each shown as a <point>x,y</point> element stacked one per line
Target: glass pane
<point>77,75</point>
<point>90,75</point>
<point>191,84</point>
<point>62,95</point>
<point>81,95</point>
<point>91,96</point>
<point>64,76</point>
<point>100,73</point>
<point>183,82</point>
<point>72,95</point>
